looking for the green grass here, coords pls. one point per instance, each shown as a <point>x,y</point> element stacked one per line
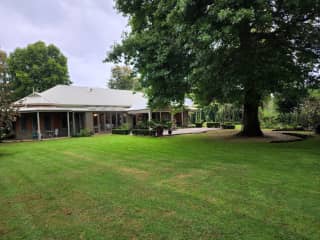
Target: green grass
<point>183,187</point>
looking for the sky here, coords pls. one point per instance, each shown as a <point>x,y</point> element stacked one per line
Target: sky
<point>84,30</point>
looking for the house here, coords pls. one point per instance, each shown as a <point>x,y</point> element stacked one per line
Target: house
<point>63,111</point>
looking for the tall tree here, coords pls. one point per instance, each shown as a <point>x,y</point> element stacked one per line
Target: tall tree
<point>221,50</point>
<point>122,77</point>
<point>37,67</point>
<point>7,113</point>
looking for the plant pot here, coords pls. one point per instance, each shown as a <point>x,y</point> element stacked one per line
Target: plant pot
<point>159,131</point>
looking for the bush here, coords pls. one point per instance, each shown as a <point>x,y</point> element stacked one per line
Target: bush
<point>83,133</point>
<point>143,132</point>
<point>269,122</point>
<point>167,124</point>
<point>213,124</point>
<point>121,131</point>
<point>124,126</point>
<point>142,125</point>
<point>228,125</point>
<point>198,124</point>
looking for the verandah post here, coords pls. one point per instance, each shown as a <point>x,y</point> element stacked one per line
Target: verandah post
<point>39,127</point>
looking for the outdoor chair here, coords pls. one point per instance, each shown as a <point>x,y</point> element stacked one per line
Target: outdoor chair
<point>56,132</point>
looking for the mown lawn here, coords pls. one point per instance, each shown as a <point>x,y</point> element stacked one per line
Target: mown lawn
<point>183,187</point>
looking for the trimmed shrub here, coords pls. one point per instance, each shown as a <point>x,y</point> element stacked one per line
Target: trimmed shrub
<point>228,125</point>
<point>224,126</point>
<point>198,124</point>
<point>213,125</point>
<point>143,132</point>
<point>120,131</point>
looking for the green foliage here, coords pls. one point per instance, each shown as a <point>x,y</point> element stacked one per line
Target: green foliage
<point>121,131</point>
<point>7,113</point>
<point>84,133</point>
<point>269,115</point>
<point>198,124</point>
<point>290,99</point>
<point>231,51</point>
<point>309,115</point>
<point>142,125</point>
<point>144,132</point>
<point>213,125</point>
<point>217,112</point>
<point>164,124</point>
<point>122,77</point>
<point>124,126</point>
<point>228,125</point>
<point>37,67</point>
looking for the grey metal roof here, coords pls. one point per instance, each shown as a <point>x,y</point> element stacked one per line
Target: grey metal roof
<point>63,95</point>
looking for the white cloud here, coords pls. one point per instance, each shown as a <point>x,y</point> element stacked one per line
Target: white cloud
<point>84,30</point>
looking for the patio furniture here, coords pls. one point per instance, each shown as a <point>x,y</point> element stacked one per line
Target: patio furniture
<point>34,135</point>
<point>50,133</point>
<point>56,132</point>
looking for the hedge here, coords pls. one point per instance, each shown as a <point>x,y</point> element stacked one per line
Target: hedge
<point>120,131</point>
<point>213,124</point>
<point>228,126</point>
<point>198,125</point>
<point>144,132</point>
<point>83,133</point>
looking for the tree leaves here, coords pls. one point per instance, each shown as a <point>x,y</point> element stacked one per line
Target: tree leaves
<point>37,67</point>
<point>218,49</point>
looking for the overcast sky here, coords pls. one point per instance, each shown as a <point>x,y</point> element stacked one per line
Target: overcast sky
<point>84,30</point>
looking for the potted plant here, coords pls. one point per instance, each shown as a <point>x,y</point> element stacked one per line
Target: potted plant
<point>159,130</point>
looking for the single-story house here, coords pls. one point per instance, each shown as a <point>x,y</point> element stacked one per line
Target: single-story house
<point>63,111</point>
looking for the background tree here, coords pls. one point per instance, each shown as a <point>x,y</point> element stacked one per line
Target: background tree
<point>7,113</point>
<point>309,111</point>
<point>287,101</point>
<point>230,51</point>
<point>37,67</point>
<point>122,77</point>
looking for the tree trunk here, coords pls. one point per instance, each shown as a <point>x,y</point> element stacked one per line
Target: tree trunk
<point>251,125</point>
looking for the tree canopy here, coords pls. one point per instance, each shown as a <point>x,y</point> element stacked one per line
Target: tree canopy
<point>122,77</point>
<point>7,113</point>
<point>37,67</point>
<point>230,51</point>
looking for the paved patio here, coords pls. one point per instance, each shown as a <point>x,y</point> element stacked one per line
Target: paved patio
<point>181,131</point>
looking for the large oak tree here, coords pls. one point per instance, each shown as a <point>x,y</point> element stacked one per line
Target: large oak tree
<point>37,67</point>
<point>226,50</point>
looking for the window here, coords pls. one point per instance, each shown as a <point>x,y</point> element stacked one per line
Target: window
<point>47,122</point>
